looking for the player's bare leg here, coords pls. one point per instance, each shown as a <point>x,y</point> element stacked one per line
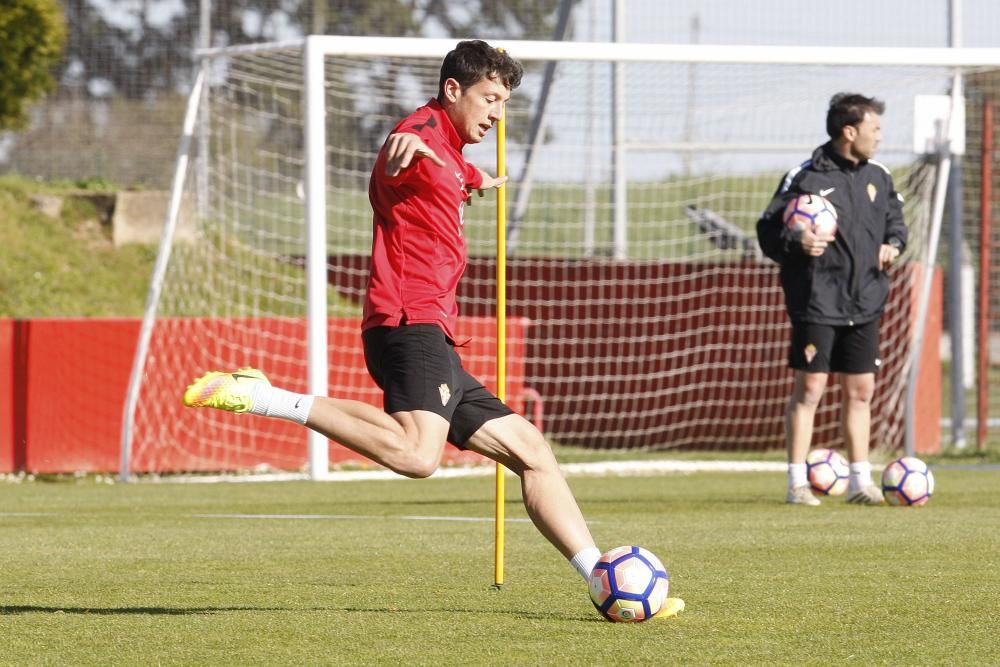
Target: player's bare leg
<point>856,415</point>
<point>515,442</point>
<point>858,389</point>
<point>800,415</point>
<point>412,443</point>
<point>408,443</point>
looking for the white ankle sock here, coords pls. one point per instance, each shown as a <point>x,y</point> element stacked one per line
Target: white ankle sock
<point>585,561</point>
<point>797,475</point>
<point>274,402</point>
<point>860,476</point>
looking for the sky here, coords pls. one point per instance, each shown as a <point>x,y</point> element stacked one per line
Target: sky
<point>752,106</point>
<point>844,22</point>
<point>671,105</point>
<point>910,23</point>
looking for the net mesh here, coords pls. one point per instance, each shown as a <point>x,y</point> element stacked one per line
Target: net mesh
<point>656,325</point>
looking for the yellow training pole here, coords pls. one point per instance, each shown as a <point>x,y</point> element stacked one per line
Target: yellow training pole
<point>501,337</point>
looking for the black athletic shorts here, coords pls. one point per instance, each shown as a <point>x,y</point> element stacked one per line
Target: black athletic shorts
<point>418,369</point>
<point>822,348</point>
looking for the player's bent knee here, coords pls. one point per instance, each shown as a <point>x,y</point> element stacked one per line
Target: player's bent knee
<point>413,461</point>
<point>415,467</point>
<point>535,454</point>
<point>860,396</point>
<point>810,394</point>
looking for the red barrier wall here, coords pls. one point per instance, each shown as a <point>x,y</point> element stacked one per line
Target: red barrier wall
<point>63,384</point>
<point>927,408</point>
<point>732,379</point>
<point>6,395</point>
<point>76,374</point>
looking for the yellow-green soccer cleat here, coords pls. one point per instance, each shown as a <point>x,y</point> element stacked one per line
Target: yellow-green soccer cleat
<point>671,607</point>
<point>224,391</point>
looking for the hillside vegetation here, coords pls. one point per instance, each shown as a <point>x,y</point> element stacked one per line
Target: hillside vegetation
<point>65,265</point>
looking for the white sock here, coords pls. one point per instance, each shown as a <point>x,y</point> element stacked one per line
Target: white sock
<point>797,475</point>
<point>273,402</point>
<point>585,561</point>
<point>860,477</point>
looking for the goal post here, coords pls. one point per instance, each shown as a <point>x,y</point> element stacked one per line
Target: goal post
<point>670,336</point>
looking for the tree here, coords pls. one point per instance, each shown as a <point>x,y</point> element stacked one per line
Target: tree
<point>32,36</point>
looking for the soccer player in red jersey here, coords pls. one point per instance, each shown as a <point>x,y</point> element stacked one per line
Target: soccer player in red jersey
<point>419,187</point>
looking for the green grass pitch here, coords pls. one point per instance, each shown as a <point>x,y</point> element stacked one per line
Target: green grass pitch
<point>370,573</point>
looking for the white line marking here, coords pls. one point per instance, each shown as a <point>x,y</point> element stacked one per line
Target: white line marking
<point>660,467</point>
<point>623,468</point>
<point>489,519</point>
<point>352,517</point>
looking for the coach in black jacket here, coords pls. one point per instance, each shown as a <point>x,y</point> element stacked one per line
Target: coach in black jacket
<point>835,286</point>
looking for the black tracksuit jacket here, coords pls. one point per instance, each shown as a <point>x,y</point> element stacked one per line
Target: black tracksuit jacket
<point>844,285</point>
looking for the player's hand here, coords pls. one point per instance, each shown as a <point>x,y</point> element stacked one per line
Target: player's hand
<point>402,148</point>
<point>814,244</point>
<point>489,183</point>
<point>887,255</point>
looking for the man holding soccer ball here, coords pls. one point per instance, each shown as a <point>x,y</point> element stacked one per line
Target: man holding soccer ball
<point>418,189</point>
<point>836,285</point>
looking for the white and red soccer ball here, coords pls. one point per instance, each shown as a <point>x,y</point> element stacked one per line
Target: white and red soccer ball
<point>907,481</point>
<point>811,212</point>
<point>828,471</point>
<point>629,584</point>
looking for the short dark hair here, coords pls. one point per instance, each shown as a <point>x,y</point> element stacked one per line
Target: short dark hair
<point>850,109</point>
<point>474,59</point>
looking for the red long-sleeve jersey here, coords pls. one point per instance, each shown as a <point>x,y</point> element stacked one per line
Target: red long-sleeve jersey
<point>418,248</point>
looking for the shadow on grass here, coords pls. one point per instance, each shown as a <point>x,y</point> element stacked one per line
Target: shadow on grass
<point>114,611</point>
<point>9,610</point>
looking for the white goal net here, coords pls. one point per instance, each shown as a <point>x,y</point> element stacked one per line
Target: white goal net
<point>641,314</point>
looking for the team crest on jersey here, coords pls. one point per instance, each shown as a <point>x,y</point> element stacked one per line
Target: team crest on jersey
<point>872,191</point>
<point>445,394</point>
<point>810,353</point>
<point>466,196</point>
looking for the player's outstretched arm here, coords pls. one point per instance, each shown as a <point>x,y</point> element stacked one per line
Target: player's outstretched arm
<point>489,183</point>
<point>402,149</point>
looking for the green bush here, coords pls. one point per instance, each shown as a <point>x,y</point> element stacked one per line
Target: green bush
<point>32,36</point>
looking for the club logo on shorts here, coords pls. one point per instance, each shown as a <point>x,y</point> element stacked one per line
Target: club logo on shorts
<point>872,191</point>
<point>809,352</point>
<point>445,394</point>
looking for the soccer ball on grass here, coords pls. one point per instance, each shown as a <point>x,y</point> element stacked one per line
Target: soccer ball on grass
<point>629,584</point>
<point>907,481</point>
<point>811,212</point>
<point>828,471</point>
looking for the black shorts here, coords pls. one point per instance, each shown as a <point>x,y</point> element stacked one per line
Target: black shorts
<point>823,348</point>
<point>417,368</point>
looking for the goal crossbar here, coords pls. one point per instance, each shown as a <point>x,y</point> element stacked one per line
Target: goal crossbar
<point>638,53</point>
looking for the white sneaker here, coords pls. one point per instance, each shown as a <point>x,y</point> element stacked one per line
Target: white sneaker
<point>801,495</point>
<point>868,495</point>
